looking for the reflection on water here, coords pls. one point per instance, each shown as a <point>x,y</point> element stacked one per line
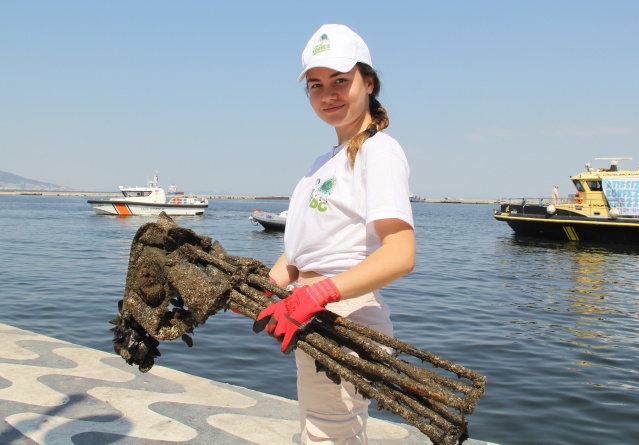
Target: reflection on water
<point>574,308</point>
<point>590,283</point>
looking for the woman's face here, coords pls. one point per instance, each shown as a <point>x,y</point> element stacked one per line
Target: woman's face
<point>340,99</point>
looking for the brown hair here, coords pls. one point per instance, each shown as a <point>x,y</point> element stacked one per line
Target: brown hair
<point>378,113</point>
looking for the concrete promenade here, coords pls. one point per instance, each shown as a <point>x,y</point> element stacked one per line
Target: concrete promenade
<point>57,393</point>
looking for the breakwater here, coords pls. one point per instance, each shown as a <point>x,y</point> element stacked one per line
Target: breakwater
<point>220,196</point>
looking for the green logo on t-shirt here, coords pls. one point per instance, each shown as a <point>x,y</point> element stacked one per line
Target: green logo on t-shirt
<point>319,195</point>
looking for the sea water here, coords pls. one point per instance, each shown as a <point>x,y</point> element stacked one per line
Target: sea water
<point>552,325</point>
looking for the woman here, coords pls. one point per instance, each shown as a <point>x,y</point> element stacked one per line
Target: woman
<point>349,230</point>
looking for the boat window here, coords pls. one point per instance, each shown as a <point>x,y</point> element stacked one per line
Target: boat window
<point>578,185</point>
<point>135,193</point>
<point>594,185</point>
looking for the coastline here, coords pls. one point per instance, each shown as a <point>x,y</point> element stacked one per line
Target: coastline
<point>117,194</point>
<point>460,201</point>
<point>213,196</point>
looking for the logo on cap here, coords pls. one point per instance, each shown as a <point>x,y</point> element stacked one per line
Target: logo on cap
<point>324,44</point>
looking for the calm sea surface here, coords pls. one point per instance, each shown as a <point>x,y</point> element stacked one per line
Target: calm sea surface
<point>553,326</point>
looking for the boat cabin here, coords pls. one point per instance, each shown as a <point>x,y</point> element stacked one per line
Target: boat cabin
<point>600,191</point>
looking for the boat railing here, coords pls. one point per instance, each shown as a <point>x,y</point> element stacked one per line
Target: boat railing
<point>581,207</point>
<point>538,202</point>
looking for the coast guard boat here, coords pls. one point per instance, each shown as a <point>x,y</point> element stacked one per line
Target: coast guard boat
<point>604,208</point>
<point>149,201</point>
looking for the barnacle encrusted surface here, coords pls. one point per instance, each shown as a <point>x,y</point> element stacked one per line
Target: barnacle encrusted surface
<point>177,279</point>
<point>172,286</point>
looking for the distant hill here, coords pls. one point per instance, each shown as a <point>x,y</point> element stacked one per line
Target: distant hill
<point>9,181</point>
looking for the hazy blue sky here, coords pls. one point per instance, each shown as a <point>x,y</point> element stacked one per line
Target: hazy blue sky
<point>489,99</point>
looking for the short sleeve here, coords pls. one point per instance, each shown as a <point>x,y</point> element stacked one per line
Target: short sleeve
<point>385,173</point>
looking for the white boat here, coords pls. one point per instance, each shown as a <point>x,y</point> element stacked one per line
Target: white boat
<point>270,221</point>
<point>149,201</point>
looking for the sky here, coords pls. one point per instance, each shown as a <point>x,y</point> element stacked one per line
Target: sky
<point>489,98</point>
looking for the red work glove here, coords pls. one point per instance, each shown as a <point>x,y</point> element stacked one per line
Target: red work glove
<point>284,319</point>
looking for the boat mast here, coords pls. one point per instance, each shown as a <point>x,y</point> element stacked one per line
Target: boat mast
<point>154,182</point>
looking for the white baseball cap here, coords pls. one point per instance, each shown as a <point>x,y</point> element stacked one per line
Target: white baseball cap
<point>336,47</point>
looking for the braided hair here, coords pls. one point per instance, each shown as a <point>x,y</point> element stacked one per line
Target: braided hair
<point>378,113</point>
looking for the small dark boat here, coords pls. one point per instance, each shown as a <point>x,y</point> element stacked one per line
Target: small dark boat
<point>270,221</point>
<point>604,209</point>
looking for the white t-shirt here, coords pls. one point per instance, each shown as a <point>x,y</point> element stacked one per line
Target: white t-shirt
<point>329,228</point>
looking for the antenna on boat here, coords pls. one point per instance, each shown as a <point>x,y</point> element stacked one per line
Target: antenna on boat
<point>614,162</point>
<point>154,182</point>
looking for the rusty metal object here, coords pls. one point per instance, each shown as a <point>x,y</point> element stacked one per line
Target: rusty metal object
<point>177,279</point>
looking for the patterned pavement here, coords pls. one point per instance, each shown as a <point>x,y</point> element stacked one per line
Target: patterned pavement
<point>57,393</point>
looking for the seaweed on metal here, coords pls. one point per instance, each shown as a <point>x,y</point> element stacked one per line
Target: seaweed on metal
<point>177,279</point>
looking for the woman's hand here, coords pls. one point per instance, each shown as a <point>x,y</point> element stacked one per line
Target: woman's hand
<point>286,318</point>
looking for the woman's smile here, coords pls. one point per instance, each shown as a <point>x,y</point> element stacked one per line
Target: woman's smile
<point>340,99</point>
<point>333,108</point>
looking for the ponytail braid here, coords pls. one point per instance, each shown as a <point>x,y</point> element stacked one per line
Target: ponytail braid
<point>378,114</point>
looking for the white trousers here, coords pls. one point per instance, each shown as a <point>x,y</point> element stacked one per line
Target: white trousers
<point>336,414</point>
